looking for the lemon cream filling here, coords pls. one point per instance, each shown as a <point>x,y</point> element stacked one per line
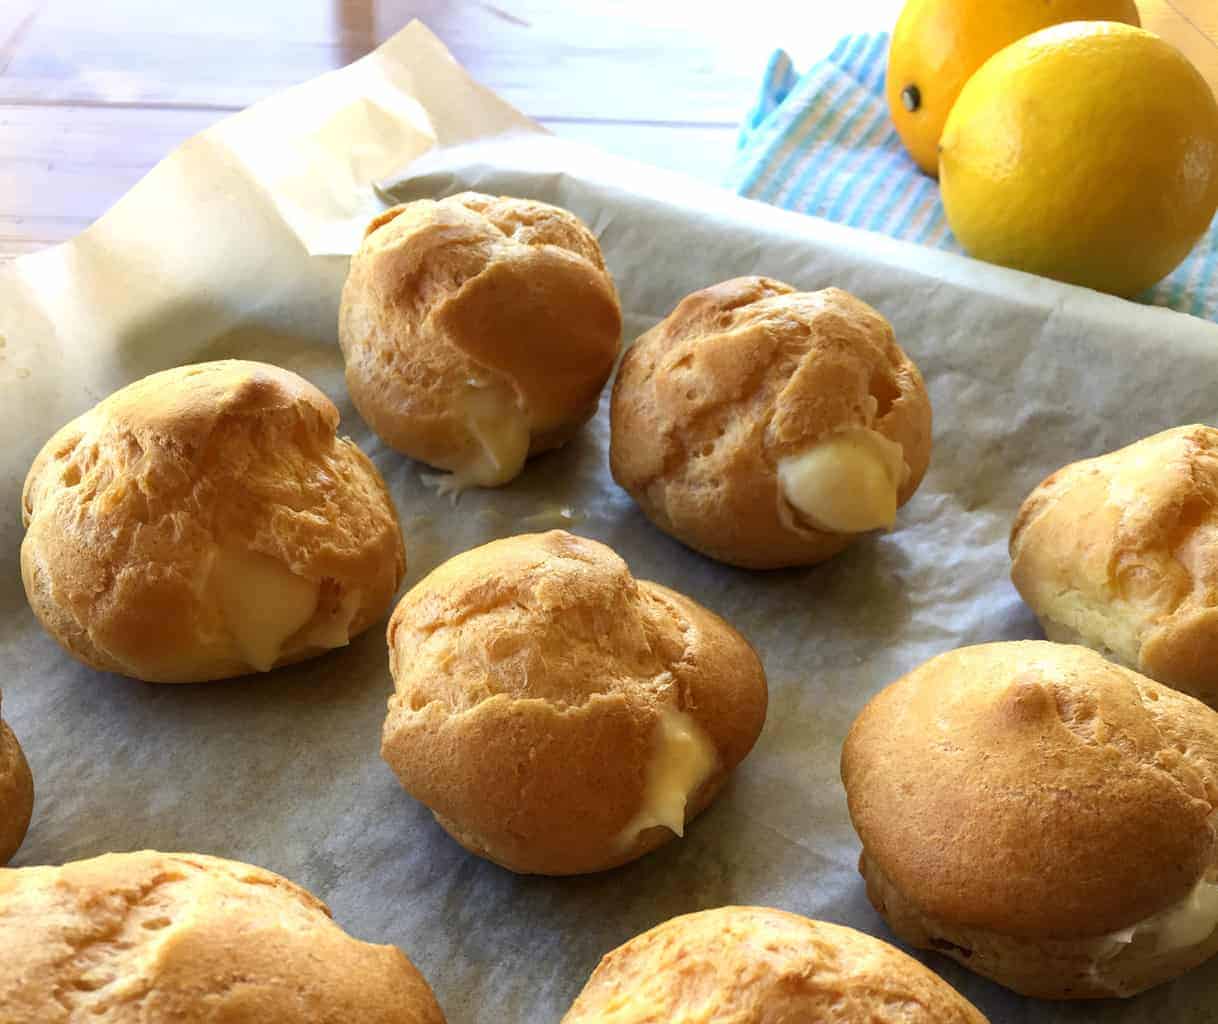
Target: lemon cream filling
<point>681,760</point>
<point>262,603</point>
<point>493,418</point>
<point>847,482</point>
<point>334,630</point>
<point>1186,923</point>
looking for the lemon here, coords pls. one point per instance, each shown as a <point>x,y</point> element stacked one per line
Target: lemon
<point>938,44</point>
<point>1087,152</point>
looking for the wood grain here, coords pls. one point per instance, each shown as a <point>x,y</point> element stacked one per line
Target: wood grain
<point>550,58</point>
<point>93,94</point>
<point>89,156</point>
<point>1189,25</point>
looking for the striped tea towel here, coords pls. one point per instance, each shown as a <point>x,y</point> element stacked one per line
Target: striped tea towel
<point>823,144</point>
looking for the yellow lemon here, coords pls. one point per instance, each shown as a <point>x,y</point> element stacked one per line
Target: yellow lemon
<point>1087,152</point>
<point>938,44</point>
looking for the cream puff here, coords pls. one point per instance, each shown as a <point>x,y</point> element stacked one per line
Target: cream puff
<point>1041,815</point>
<point>1120,553</point>
<point>16,793</point>
<point>129,938</point>
<point>557,715</point>
<point>206,522</point>
<point>478,331</point>
<point>767,427</point>
<point>752,964</point>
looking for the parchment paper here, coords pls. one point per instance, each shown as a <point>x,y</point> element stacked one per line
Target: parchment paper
<point>233,247</point>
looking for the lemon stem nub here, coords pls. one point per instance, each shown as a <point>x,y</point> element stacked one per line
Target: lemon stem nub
<point>911,98</point>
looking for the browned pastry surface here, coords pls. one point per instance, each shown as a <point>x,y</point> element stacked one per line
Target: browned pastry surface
<point>738,376</point>
<point>754,965</point>
<point>1120,553</point>
<point>1042,968</point>
<point>16,793</point>
<point>1021,803</point>
<point>531,675</point>
<point>470,303</point>
<point>167,522</point>
<point>135,938</point>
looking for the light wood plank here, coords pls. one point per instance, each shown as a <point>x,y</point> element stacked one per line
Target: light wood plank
<point>95,94</point>
<point>632,60</point>
<point>62,167</point>
<point>1189,25</point>
<point>16,19</point>
<point>1202,14</point>
<point>22,235</point>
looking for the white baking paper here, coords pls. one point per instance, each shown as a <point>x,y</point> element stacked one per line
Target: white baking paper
<point>233,247</point>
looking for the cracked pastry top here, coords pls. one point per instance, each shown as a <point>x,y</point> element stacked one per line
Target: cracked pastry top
<point>767,427</point>
<point>16,793</point>
<point>736,964</point>
<point>557,715</point>
<point>206,522</point>
<point>1120,553</point>
<point>478,331</point>
<point>1043,816</point>
<point>127,938</point>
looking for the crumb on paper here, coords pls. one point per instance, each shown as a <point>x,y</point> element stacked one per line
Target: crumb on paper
<point>553,517</point>
<point>448,485</point>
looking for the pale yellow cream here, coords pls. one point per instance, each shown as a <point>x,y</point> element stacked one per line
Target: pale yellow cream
<point>1187,923</point>
<point>495,420</point>
<point>682,757</point>
<point>262,602</point>
<point>846,482</point>
<point>335,631</point>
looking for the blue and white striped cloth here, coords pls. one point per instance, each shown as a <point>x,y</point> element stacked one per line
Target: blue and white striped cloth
<point>823,144</point>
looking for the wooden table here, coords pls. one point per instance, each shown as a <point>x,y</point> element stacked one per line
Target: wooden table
<point>94,92</point>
